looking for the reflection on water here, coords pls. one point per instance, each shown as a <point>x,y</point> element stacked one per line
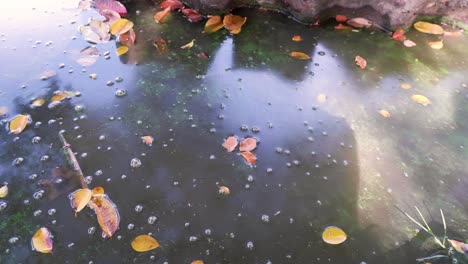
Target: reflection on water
<point>325,155</point>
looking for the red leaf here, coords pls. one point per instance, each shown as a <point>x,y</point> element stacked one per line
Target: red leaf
<point>340,18</point>
<point>111,5</point>
<point>341,27</point>
<point>316,23</point>
<point>203,55</point>
<point>399,35</point>
<point>192,15</point>
<point>360,61</point>
<point>248,144</point>
<point>162,16</point>
<point>127,38</point>
<point>173,4</point>
<point>161,45</point>
<point>230,143</point>
<point>249,157</point>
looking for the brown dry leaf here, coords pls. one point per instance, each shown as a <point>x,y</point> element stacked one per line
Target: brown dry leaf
<point>421,99</point>
<point>234,23</point>
<point>360,61</point>
<point>230,143</point>
<point>38,102</point>
<point>148,140</point>
<point>249,157</point>
<point>334,235</point>
<point>3,110</point>
<point>198,262</point>
<point>359,22</point>
<point>121,50</point>
<point>213,24</point>
<point>409,43</point>
<point>144,243</point>
<point>429,28</point>
<point>162,16</point>
<point>107,215</point>
<point>297,38</point>
<point>128,38</point>
<point>120,26</point>
<point>42,241</point>
<point>19,123</point>
<point>97,191</point>
<point>405,86</point>
<point>321,98</point>
<point>80,198</point>
<point>188,45</point>
<point>299,55</point>
<point>248,144</point>
<point>437,45</point>
<point>340,18</point>
<point>224,190</point>
<point>384,113</point>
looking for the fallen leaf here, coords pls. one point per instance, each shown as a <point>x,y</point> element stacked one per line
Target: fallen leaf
<point>162,16</point>
<point>249,157</point>
<point>84,5</point>
<point>321,98</point>
<point>111,5</point>
<point>203,55</point>
<point>38,102</point>
<point>144,243</point>
<point>213,24</point>
<point>148,140</point>
<point>334,235</point>
<point>340,18</point>
<point>3,110</point>
<point>399,35</point>
<point>160,45</point>
<point>128,38</point>
<point>409,43</point>
<point>248,144</point>
<point>19,123</point>
<point>360,61</point>
<point>93,76</point>
<point>457,245</point>
<point>42,241</point>
<point>47,74</point>
<point>120,26</point>
<point>457,33</point>
<point>121,50</point>
<point>437,45</point>
<point>188,45</point>
<point>107,215</point>
<point>172,4</point>
<point>421,99</point>
<point>198,262</point>
<point>110,15</point>
<point>341,27</point>
<point>88,56</point>
<point>429,28</point>
<point>98,191</point>
<point>80,198</point>
<point>230,143</point>
<point>359,22</point>
<point>95,32</point>
<point>405,86</point>
<point>385,113</point>
<point>297,38</point>
<point>234,23</point>
<point>192,15</point>
<point>299,55</point>
<point>223,190</point>
<point>4,191</point>
<point>59,96</point>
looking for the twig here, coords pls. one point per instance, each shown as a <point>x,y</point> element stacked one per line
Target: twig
<point>71,155</point>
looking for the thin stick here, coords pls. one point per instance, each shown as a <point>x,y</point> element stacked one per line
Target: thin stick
<point>71,155</point>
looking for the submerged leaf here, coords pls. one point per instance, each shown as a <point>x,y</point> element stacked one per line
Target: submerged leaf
<point>384,113</point>
<point>188,45</point>
<point>144,243</point>
<point>340,18</point>
<point>436,44</point>
<point>248,144</point>
<point>172,4</point>
<point>299,55</point>
<point>409,43</point>
<point>160,45</point>
<point>192,15</point>
<point>405,86</point>
<point>399,35</point>
<point>213,24</point>
<point>148,140</point>
<point>321,98</point>
<point>421,99</point>
<point>95,32</point>
<point>19,123</point>
<point>42,241</point>
<point>198,262</point>
<point>297,38</point>
<point>128,38</point>
<point>4,191</point>
<point>38,102</point>
<point>97,191</point>
<point>224,190</point>
<point>80,198</point>
<point>3,110</point>
<point>107,215</point>
<point>360,61</point>
<point>230,143</point>
<point>249,157</point>
<point>359,22</point>
<point>429,28</point>
<point>162,16</point>
<point>341,27</point>
<point>121,50</point>
<point>234,23</point>
<point>59,96</point>
<point>120,26</point>
<point>88,56</point>
<point>334,235</point>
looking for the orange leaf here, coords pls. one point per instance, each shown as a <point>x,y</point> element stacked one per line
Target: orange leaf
<point>230,143</point>
<point>341,27</point>
<point>192,15</point>
<point>334,235</point>
<point>42,241</point>
<point>248,144</point>
<point>107,215</point>
<point>198,262</point>
<point>360,61</point>
<point>144,243</point>
<point>128,38</point>
<point>249,157</point>
<point>297,38</point>
<point>224,190</point>
<point>98,191</point>
<point>80,198</point>
<point>399,35</point>
<point>340,18</point>
<point>162,16</point>
<point>421,99</point>
<point>148,140</point>
<point>405,86</point>
<point>299,55</point>
<point>213,24</point>
<point>234,23</point>
<point>172,4</point>
<point>384,113</point>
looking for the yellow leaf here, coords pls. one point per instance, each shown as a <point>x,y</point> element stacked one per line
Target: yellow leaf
<point>334,235</point>
<point>457,245</point>
<point>436,44</point>
<point>385,113</point>
<point>299,55</point>
<point>120,26</point>
<point>59,96</point>
<point>19,123</point>
<point>80,198</point>
<point>224,190</point>
<point>4,191</point>
<point>42,241</point>
<point>38,102</point>
<point>188,45</point>
<point>121,50</point>
<point>429,28</point>
<point>98,191</point>
<point>405,86</point>
<point>421,99</point>
<point>234,23</point>
<point>107,215</point>
<point>144,243</point>
<point>162,16</point>
<point>213,24</point>
<point>321,98</point>
<point>198,262</point>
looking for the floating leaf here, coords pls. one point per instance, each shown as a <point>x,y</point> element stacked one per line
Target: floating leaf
<point>457,245</point>
<point>436,44</point>
<point>429,28</point>
<point>224,190</point>
<point>213,24</point>
<point>421,99</point>
<point>3,110</point>
<point>111,5</point>
<point>4,191</point>
<point>321,98</point>
<point>93,76</point>
<point>59,96</point>
<point>405,86</point>
<point>110,15</point>
<point>299,55</point>
<point>172,4</point>
<point>248,144</point>
<point>162,16</point>
<point>340,18</point>
<point>96,31</point>
<point>341,27</point>
<point>249,157</point>
<point>399,35</point>
<point>297,38</point>
<point>42,241</point>
<point>188,45</point>
<point>161,45</point>
<point>19,123</point>
<point>88,56</point>
<point>230,143</point>
<point>192,15</point>
<point>203,55</point>
<point>47,74</point>
<point>384,113</point>
<point>128,38</point>
<point>98,191</point>
<point>148,140</point>
<point>234,23</point>
<point>457,33</point>
<point>334,235</point>
<point>144,243</point>
<point>120,26</point>
<point>38,102</point>
<point>121,50</point>
<point>107,215</point>
<point>198,262</point>
<point>80,198</point>
<point>409,43</point>
<point>359,22</point>
<point>360,61</point>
